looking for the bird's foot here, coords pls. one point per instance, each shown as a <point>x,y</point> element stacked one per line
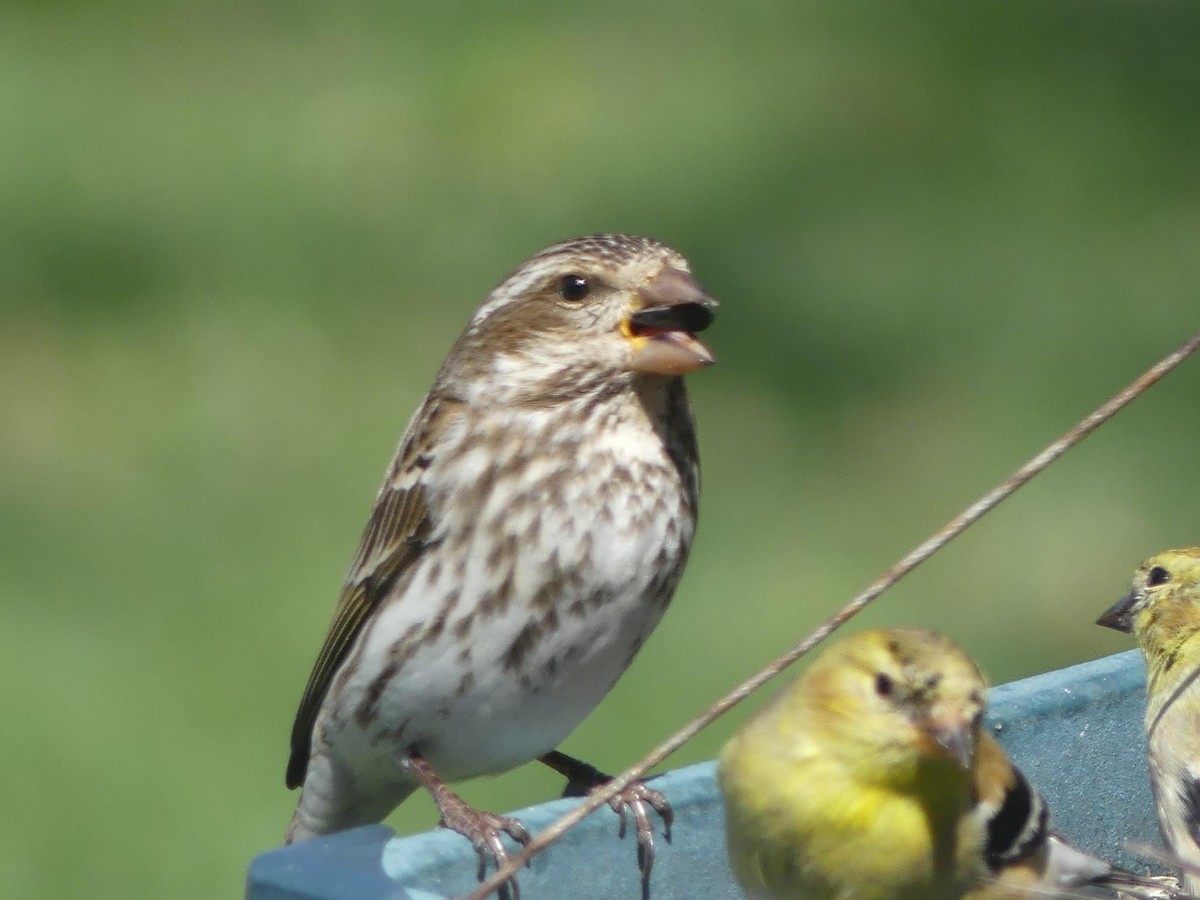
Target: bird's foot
<point>482,829</point>
<point>635,800</point>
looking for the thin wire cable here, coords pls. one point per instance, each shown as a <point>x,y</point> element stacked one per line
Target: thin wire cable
<point>922,552</point>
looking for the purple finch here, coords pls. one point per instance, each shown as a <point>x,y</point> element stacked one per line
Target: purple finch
<point>528,537</point>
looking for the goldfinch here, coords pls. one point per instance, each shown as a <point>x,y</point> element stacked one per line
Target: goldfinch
<point>870,778</point>
<point>1162,610</point>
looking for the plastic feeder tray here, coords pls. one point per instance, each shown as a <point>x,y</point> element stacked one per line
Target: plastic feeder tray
<point>1076,732</point>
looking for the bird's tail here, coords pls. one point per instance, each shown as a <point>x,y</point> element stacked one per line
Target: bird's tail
<point>1071,873</point>
<point>333,800</point>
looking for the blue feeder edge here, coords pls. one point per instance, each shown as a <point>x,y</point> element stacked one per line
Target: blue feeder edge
<point>1075,732</point>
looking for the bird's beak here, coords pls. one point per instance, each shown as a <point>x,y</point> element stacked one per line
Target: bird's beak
<point>953,736</point>
<point>662,329</point>
<point>1119,616</point>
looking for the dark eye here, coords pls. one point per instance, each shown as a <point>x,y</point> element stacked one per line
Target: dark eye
<point>884,685</point>
<point>574,288</point>
<point>1158,575</point>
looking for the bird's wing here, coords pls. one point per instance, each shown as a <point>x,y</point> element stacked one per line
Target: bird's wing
<point>1188,791</point>
<point>1025,857</point>
<point>395,537</point>
<point>1014,816</point>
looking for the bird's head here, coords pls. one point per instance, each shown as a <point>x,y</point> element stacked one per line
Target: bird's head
<point>910,699</point>
<point>1162,608</point>
<point>585,316</point>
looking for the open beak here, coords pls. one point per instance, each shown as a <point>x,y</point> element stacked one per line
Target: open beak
<point>1119,616</point>
<point>663,330</point>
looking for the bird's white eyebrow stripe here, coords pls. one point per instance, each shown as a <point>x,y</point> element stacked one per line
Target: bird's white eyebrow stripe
<point>613,249</point>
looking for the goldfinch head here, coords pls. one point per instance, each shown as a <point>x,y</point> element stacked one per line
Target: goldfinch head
<point>1165,592</point>
<point>1162,608</point>
<point>922,696</point>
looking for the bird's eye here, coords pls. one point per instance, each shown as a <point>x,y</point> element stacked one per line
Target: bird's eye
<point>884,685</point>
<point>574,288</point>
<point>1158,575</point>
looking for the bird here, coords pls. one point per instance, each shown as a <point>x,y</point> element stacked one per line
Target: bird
<point>528,536</point>
<point>1162,610</point>
<point>870,778</point>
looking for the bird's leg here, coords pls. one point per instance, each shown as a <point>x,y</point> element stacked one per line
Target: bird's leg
<point>639,799</point>
<point>482,829</point>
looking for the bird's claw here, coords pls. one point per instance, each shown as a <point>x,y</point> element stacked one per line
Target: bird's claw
<point>483,830</point>
<point>639,800</point>
<point>634,799</point>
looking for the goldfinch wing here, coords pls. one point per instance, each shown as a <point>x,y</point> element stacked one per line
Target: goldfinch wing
<point>1025,858</point>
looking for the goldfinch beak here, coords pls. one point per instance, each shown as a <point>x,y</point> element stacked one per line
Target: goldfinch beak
<point>955,739</point>
<point>1119,616</point>
<point>662,330</point>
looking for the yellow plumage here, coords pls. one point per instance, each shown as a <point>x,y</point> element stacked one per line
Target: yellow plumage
<point>1162,609</point>
<point>822,803</point>
<point>869,778</point>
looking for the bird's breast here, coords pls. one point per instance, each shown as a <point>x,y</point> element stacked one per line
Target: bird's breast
<point>552,558</point>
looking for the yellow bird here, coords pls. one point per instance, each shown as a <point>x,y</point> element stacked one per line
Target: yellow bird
<point>1162,610</point>
<point>870,778</point>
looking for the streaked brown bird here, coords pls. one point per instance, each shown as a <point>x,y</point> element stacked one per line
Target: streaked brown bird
<point>528,536</point>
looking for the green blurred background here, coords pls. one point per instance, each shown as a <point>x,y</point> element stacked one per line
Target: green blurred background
<point>237,239</point>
